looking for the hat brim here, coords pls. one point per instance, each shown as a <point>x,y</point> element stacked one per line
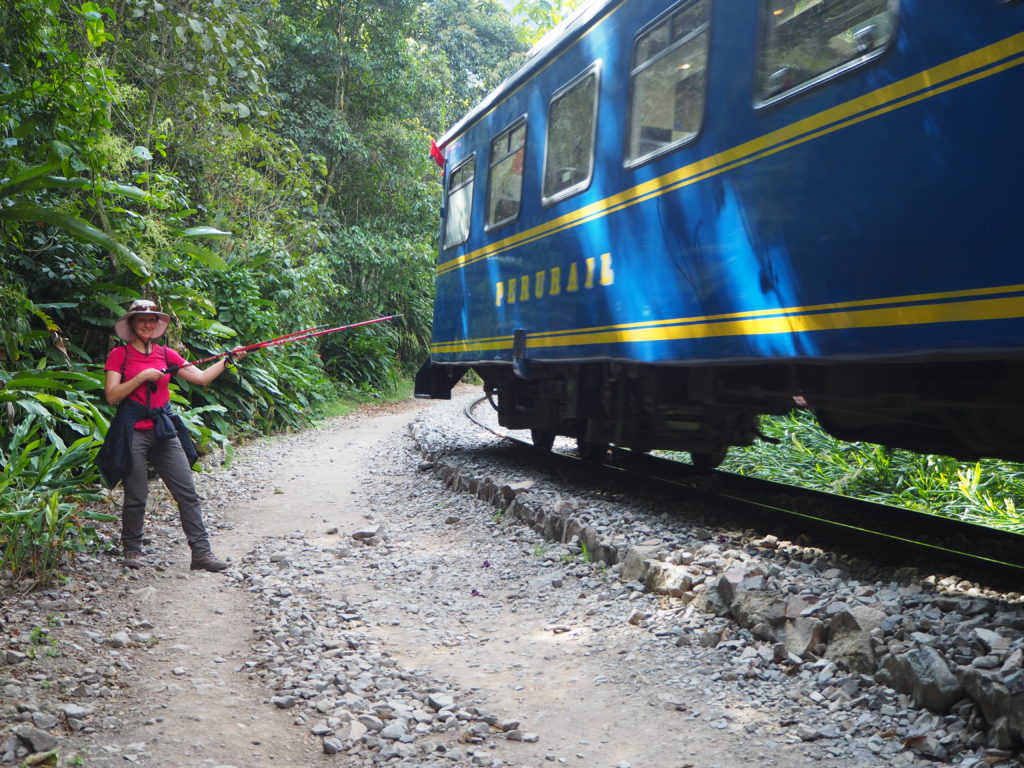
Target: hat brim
<point>123,325</point>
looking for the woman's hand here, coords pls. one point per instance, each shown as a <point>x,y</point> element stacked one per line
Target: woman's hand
<point>192,374</point>
<point>117,388</point>
<point>150,374</point>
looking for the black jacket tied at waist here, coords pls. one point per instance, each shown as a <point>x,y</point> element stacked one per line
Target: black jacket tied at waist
<point>115,456</point>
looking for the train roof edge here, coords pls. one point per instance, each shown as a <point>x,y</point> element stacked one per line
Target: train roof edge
<point>537,57</point>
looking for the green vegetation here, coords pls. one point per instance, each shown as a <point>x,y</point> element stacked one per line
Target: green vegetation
<point>583,555</point>
<point>40,637</point>
<point>987,492</point>
<point>537,17</point>
<point>255,169</point>
<point>347,400</point>
<point>585,552</point>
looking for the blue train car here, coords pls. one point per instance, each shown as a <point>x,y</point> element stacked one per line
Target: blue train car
<point>676,217</point>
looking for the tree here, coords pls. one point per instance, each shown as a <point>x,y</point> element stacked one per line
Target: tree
<point>538,17</point>
<point>480,45</point>
<point>363,85</point>
<point>254,167</point>
<point>56,96</point>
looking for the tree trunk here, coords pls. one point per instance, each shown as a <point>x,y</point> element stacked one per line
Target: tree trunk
<point>340,86</point>
<point>339,77</point>
<point>329,183</point>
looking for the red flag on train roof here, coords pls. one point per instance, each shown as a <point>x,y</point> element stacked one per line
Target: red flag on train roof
<point>436,153</point>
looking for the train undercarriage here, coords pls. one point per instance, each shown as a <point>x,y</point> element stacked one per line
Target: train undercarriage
<point>965,410</point>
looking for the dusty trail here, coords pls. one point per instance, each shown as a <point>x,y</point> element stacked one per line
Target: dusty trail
<point>451,591</point>
<point>195,702</point>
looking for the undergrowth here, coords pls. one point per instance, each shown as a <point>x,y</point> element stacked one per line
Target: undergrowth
<point>986,492</point>
<point>349,398</point>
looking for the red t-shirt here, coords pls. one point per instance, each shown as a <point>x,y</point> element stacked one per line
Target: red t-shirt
<point>136,363</point>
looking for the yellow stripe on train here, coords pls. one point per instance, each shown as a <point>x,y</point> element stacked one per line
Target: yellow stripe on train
<point>1004,308</point>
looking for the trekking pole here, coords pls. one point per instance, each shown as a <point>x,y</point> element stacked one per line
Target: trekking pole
<point>288,338</point>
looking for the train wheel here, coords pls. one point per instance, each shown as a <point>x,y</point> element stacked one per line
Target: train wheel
<point>707,459</point>
<point>543,438</point>
<point>594,452</point>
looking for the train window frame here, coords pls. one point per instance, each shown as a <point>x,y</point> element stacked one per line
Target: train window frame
<point>449,192</point>
<point>762,99</point>
<point>704,31</point>
<point>519,122</point>
<point>592,70</point>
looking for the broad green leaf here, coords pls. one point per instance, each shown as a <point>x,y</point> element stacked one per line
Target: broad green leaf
<point>28,382</point>
<point>113,303</point>
<point>23,179</point>
<point>31,406</point>
<point>59,404</point>
<point>30,212</point>
<point>98,516</point>
<point>25,128</point>
<point>131,191</point>
<point>202,254</point>
<point>128,190</point>
<point>204,232</point>
<point>223,330</point>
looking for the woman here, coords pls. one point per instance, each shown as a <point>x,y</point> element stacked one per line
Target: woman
<point>145,429</point>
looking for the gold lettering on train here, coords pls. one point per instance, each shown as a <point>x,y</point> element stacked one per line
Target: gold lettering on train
<point>597,271</point>
<point>573,283</point>
<point>607,273</point>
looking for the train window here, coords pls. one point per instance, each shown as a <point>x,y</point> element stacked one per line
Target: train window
<point>667,81</point>
<point>505,179</point>
<point>805,41</point>
<point>460,203</point>
<point>572,118</point>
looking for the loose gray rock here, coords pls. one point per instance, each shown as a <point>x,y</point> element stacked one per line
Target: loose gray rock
<point>923,673</point>
<point>36,739</point>
<point>849,638</point>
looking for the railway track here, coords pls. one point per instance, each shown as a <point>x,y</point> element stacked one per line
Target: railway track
<point>882,533</point>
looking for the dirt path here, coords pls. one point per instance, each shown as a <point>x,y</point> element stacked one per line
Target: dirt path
<point>195,702</point>
<point>449,593</point>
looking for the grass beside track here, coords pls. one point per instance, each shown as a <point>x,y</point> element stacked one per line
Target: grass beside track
<point>988,492</point>
<point>350,400</point>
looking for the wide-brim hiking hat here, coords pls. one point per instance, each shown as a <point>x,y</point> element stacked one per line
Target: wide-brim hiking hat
<point>123,326</point>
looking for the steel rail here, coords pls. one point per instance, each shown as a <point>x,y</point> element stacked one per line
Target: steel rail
<point>989,552</point>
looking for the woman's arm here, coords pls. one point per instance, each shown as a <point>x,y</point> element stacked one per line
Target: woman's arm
<point>211,372</point>
<point>117,390</point>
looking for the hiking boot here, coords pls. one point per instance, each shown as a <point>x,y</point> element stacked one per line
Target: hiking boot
<point>132,558</point>
<point>207,562</point>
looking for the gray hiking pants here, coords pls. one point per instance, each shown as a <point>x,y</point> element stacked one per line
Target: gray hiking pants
<point>168,459</point>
